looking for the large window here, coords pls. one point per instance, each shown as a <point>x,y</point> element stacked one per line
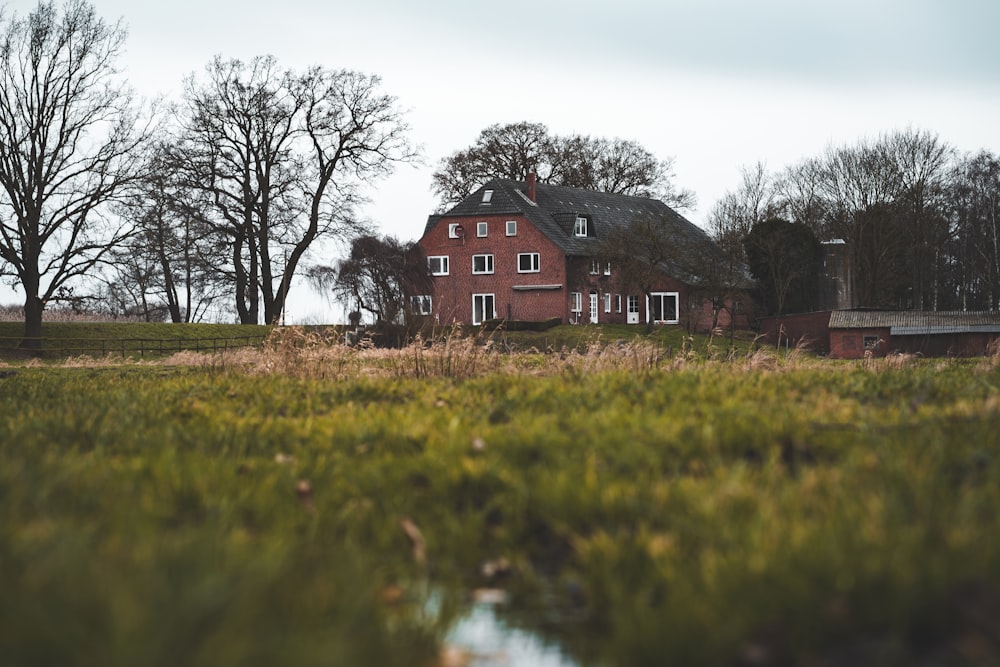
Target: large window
<point>421,305</point>
<point>663,308</point>
<point>580,228</point>
<point>438,265</point>
<point>482,264</point>
<point>483,308</point>
<point>528,262</point>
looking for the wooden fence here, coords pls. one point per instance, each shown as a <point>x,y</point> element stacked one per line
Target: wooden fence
<point>126,347</point>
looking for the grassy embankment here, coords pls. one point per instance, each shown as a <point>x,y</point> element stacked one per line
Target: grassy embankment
<point>130,339</point>
<point>300,506</point>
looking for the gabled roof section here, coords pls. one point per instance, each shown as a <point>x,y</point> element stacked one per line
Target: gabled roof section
<point>909,323</point>
<point>557,207</point>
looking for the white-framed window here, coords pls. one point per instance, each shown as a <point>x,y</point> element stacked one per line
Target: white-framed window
<point>607,302</point>
<point>482,264</point>
<point>483,308</point>
<point>512,228</point>
<point>454,230</point>
<point>580,228</point>
<point>487,196</point>
<point>663,308</point>
<point>481,229</point>
<point>595,267</point>
<point>421,305</point>
<point>576,302</point>
<point>528,262</point>
<point>618,303</point>
<point>438,265</point>
<point>607,268</point>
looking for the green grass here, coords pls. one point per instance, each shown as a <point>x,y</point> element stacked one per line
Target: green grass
<point>708,515</point>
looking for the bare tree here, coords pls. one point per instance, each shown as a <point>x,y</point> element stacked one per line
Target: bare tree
<point>169,263</point>
<point>974,212</point>
<point>733,216</point>
<point>70,143</point>
<point>513,151</point>
<point>799,196</point>
<point>276,160</point>
<point>652,249</point>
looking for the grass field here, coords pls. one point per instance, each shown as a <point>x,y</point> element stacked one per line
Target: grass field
<point>316,505</point>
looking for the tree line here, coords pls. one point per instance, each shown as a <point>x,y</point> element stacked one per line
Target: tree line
<point>212,199</point>
<point>919,220</point>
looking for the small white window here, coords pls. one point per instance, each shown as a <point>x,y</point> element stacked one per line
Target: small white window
<point>528,262</point>
<point>438,265</point>
<point>512,228</point>
<point>481,229</point>
<point>580,228</point>
<point>454,230</point>
<point>487,196</point>
<point>607,302</point>
<point>607,269</point>
<point>421,305</point>
<point>618,303</point>
<point>595,267</point>
<point>576,302</point>
<point>482,264</point>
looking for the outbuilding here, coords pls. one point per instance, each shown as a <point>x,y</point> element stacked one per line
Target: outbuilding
<point>851,334</point>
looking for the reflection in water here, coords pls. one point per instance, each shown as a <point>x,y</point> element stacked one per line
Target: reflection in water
<point>490,643</point>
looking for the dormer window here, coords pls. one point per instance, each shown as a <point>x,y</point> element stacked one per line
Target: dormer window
<point>487,196</point>
<point>580,228</point>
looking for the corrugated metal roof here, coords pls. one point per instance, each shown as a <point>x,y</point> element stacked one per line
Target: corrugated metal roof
<point>911,322</point>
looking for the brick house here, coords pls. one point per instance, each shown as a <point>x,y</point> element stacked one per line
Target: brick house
<point>527,251</point>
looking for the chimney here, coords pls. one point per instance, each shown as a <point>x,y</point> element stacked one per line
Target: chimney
<point>532,177</point>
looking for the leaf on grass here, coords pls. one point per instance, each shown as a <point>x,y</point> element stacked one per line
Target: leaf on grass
<point>416,540</point>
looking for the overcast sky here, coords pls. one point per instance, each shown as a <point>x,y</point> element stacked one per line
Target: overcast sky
<point>715,84</point>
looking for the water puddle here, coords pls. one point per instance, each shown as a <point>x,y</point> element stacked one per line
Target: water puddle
<point>484,640</point>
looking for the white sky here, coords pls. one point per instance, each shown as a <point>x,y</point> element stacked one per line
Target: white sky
<point>716,84</point>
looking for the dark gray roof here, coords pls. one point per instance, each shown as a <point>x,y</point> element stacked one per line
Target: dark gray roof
<point>909,322</point>
<point>557,207</point>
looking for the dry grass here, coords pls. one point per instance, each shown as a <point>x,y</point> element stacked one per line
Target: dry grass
<point>300,353</point>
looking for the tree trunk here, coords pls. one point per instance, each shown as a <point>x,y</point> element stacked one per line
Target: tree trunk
<point>33,308</point>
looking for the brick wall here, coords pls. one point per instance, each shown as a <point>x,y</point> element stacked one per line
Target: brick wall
<point>808,329</point>
<point>453,294</point>
<point>852,343</point>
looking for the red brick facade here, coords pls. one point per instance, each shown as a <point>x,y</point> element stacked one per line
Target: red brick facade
<point>530,295</point>
<point>517,295</point>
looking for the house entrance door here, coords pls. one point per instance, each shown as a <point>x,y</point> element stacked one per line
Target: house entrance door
<point>593,308</point>
<point>483,308</point>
